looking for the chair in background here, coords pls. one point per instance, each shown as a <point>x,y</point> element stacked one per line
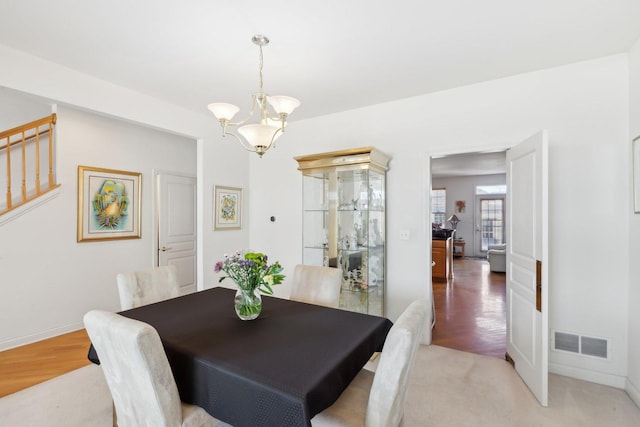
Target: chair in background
<point>317,285</point>
<point>497,256</point>
<point>147,286</point>
<point>138,374</point>
<point>377,399</point>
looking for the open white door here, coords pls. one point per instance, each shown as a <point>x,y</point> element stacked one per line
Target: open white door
<point>176,210</point>
<point>527,262</point>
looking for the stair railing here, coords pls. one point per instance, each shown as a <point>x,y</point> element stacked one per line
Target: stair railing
<point>29,133</point>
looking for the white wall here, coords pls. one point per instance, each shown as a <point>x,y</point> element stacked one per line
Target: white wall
<point>464,188</point>
<point>585,108</point>
<point>50,280</point>
<point>218,162</point>
<point>633,383</point>
<point>17,109</point>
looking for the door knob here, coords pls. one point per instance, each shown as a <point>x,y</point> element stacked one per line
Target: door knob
<point>165,249</point>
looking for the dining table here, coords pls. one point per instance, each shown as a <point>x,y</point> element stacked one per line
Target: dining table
<point>280,369</point>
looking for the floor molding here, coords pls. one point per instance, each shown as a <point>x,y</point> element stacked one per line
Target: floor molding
<point>610,380</point>
<point>633,392</point>
<point>29,339</point>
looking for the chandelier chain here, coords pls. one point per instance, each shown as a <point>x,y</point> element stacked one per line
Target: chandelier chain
<point>261,65</point>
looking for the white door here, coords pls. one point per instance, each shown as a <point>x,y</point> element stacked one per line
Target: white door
<point>527,262</point>
<point>176,210</point>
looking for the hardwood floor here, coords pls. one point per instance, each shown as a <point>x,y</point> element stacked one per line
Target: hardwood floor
<point>470,316</point>
<point>32,364</point>
<point>471,309</point>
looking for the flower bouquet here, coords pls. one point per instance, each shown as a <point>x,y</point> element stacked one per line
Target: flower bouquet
<point>252,274</point>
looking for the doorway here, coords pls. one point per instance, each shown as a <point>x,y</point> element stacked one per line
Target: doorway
<point>176,227</point>
<point>471,307</point>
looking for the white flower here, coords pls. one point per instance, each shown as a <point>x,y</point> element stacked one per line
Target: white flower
<point>268,279</point>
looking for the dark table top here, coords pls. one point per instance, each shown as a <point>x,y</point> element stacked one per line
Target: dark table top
<point>281,369</point>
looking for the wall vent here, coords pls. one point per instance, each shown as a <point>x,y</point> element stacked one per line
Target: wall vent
<point>594,347</point>
<point>567,342</point>
<point>587,346</point>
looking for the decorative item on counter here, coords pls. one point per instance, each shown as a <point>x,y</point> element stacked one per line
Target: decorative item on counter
<point>454,220</point>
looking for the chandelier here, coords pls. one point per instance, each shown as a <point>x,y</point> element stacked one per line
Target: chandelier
<point>261,136</point>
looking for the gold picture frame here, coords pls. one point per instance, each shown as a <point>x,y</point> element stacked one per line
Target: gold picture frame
<point>108,204</point>
<point>227,202</point>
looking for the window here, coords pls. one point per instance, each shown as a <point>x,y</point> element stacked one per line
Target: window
<point>492,223</point>
<point>491,202</point>
<point>438,205</point>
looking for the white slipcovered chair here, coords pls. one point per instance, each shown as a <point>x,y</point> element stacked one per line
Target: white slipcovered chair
<point>316,285</point>
<point>147,286</point>
<point>138,374</point>
<point>497,256</point>
<point>377,400</point>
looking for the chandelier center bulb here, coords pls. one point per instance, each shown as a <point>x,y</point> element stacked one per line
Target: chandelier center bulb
<point>260,40</point>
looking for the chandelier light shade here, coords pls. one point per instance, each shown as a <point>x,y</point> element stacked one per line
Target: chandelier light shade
<point>261,136</point>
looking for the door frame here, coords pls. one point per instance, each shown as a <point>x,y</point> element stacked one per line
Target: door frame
<point>428,177</point>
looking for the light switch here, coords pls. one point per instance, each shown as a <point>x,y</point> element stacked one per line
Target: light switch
<point>404,234</point>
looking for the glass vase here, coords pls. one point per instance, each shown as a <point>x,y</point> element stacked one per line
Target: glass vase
<point>248,304</point>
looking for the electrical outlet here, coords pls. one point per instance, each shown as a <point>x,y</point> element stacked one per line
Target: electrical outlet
<point>404,234</point>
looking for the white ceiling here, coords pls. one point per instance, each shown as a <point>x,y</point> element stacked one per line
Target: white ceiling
<point>468,164</point>
<point>333,55</point>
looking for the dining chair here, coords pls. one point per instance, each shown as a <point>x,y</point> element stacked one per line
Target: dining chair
<point>316,285</point>
<point>138,374</point>
<point>147,286</point>
<point>377,399</point>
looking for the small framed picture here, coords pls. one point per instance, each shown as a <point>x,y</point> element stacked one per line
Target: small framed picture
<point>227,208</point>
<point>108,204</point>
<point>636,174</point>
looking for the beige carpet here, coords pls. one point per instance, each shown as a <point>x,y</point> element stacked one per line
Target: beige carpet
<point>79,398</point>
<point>452,388</point>
<point>449,388</point>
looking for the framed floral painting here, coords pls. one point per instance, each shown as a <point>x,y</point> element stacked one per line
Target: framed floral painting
<point>108,204</point>
<point>227,208</point>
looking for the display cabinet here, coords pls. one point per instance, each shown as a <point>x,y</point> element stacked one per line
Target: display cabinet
<point>344,221</point>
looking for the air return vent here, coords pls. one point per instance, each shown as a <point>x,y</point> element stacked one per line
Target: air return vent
<point>567,342</point>
<point>580,344</point>
<point>594,347</point>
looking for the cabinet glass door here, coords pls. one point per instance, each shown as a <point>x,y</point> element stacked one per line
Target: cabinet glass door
<point>316,219</point>
<point>360,242</point>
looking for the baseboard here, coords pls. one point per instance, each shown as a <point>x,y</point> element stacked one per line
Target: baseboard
<point>633,392</point>
<point>610,380</point>
<point>50,333</point>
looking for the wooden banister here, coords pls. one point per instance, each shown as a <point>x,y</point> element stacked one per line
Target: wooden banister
<point>23,135</point>
<point>29,126</point>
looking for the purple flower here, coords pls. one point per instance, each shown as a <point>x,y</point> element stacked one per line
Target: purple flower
<point>218,267</point>
<point>250,270</point>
